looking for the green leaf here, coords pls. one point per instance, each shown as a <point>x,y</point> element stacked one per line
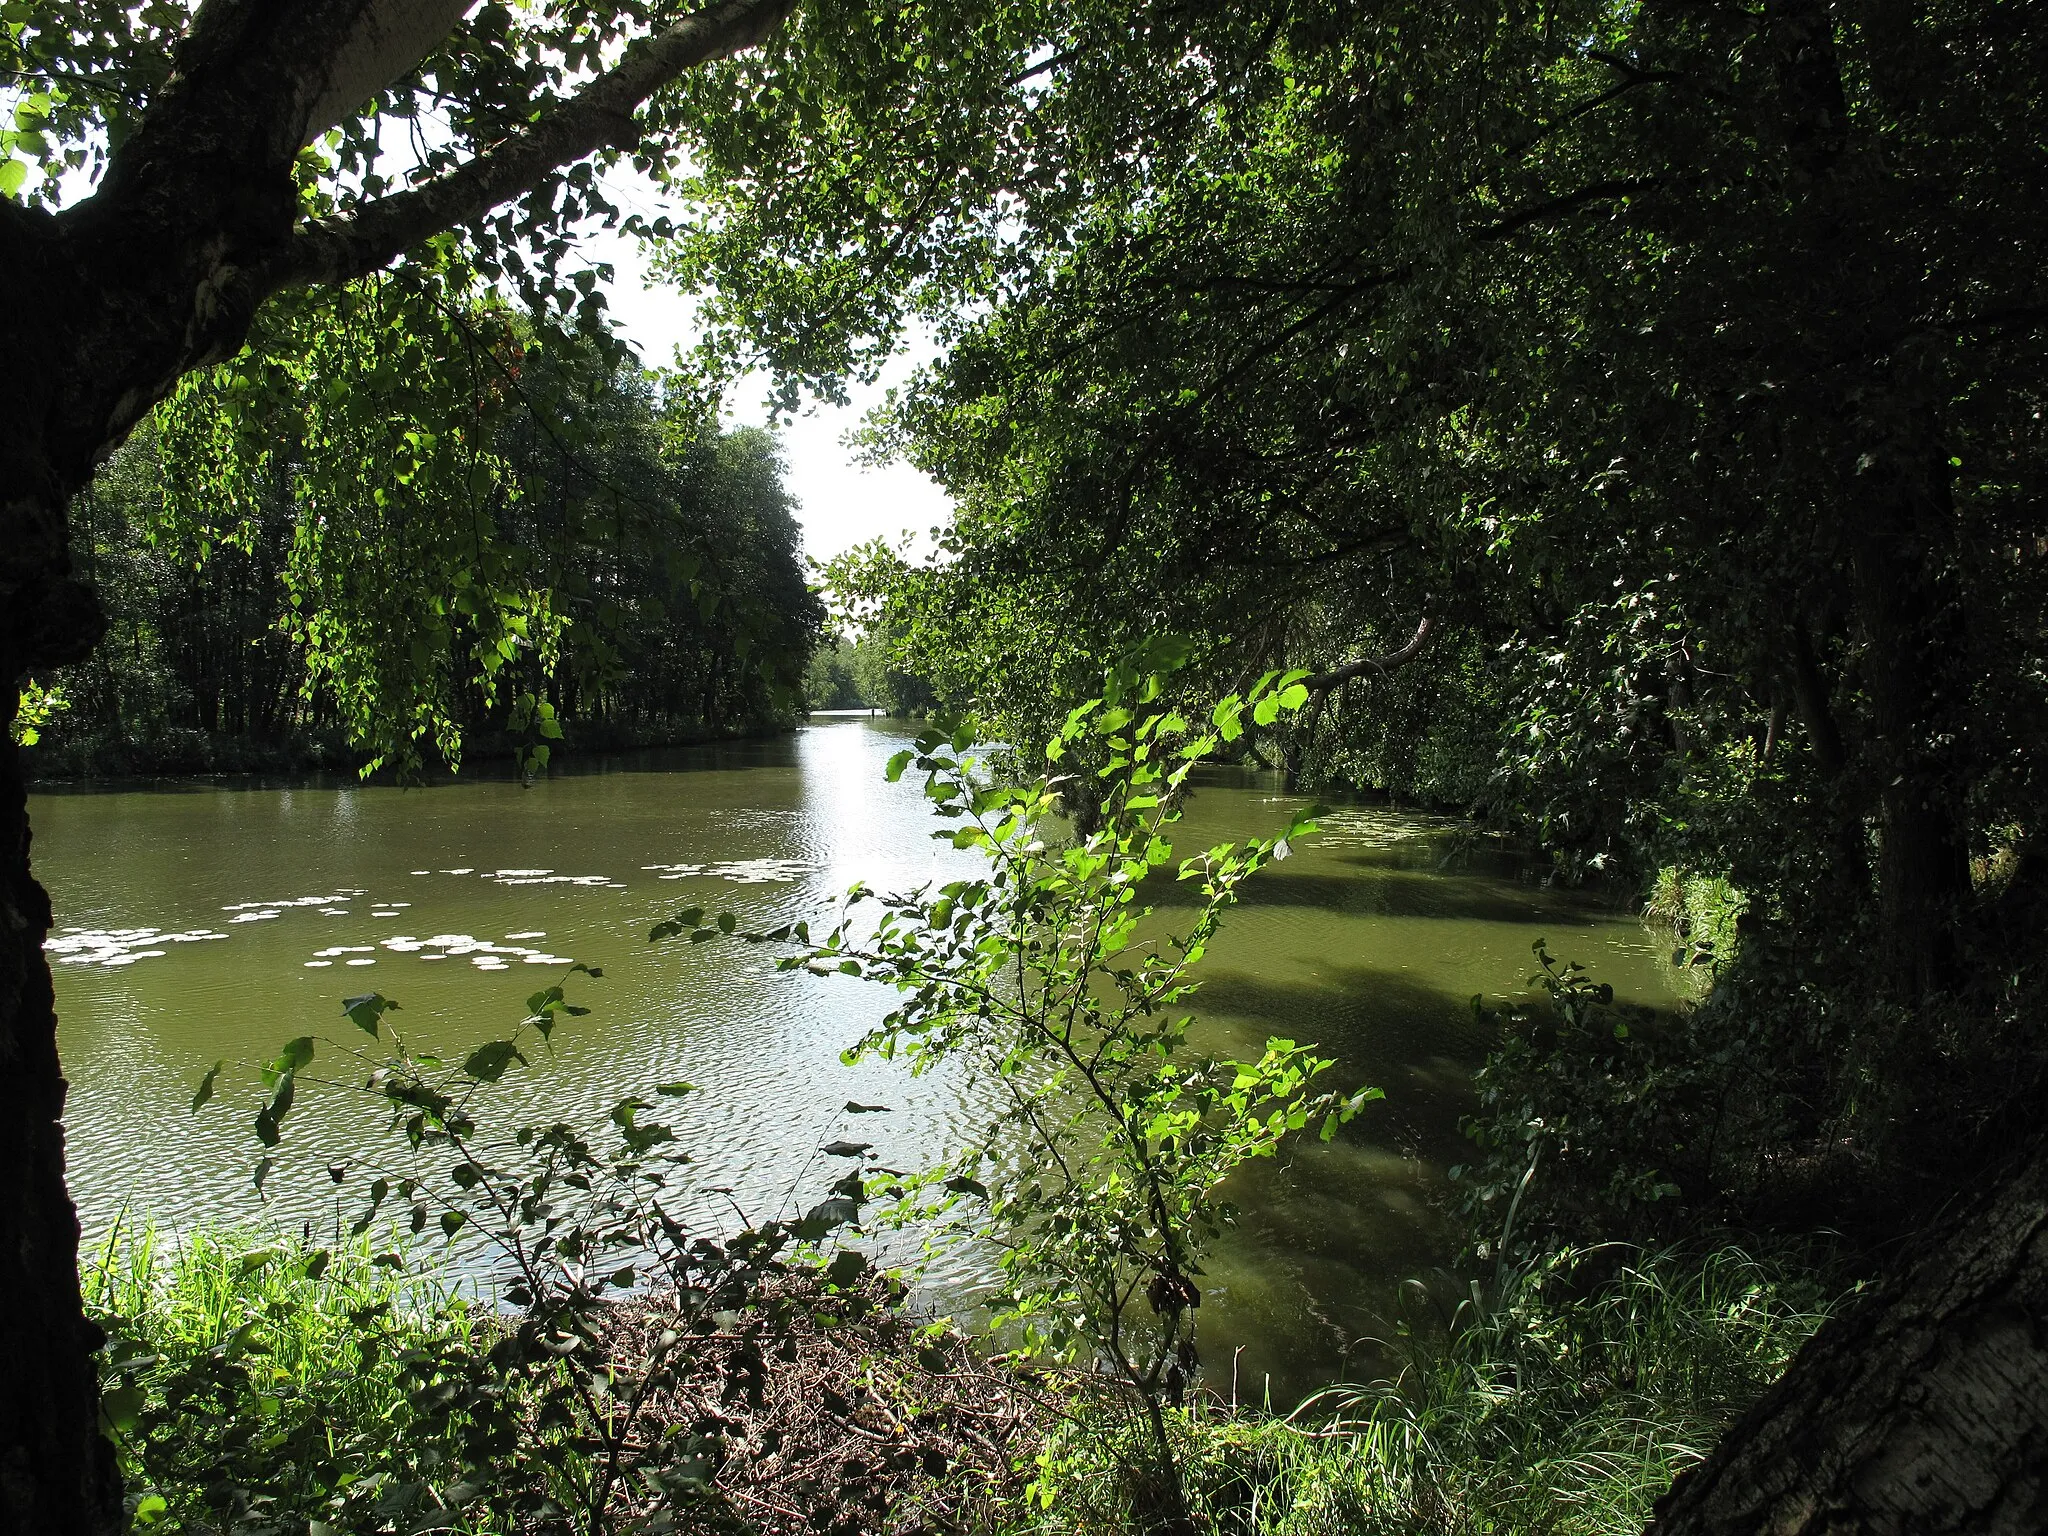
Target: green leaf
<point>121,1408</point>
<point>846,1267</point>
<point>206,1086</point>
<point>487,1063</point>
<point>827,1215</point>
<point>897,764</point>
<point>367,1010</point>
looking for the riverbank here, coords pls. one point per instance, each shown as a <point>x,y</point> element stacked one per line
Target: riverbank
<point>1366,941</point>
<point>182,753</point>
<point>1561,1400</point>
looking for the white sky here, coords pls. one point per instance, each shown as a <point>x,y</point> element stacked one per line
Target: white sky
<point>840,502</point>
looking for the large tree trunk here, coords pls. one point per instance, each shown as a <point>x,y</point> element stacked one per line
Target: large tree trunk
<point>56,1470</point>
<point>1923,1409</point>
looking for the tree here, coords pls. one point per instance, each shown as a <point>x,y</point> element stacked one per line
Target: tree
<point>238,152</point>
<point>1682,362</point>
<point>1686,360</point>
<point>1924,1408</point>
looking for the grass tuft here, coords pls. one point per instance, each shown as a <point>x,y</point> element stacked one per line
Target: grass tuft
<point>1565,1407</point>
<point>250,1384</point>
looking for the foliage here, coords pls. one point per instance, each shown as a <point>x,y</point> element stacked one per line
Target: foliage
<point>863,673</point>
<point>1700,912</point>
<point>549,533</point>
<point>250,1383</point>
<point>1100,1179</point>
<point>1562,1409</point>
<point>1682,365</point>
<point>84,74</point>
<point>1600,1120</point>
<point>829,681</point>
<point>650,585</point>
<point>549,1418</point>
<point>37,707</point>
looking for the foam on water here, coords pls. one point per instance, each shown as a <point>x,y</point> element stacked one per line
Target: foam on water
<point>765,871</point>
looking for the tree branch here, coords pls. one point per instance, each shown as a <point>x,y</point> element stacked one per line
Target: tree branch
<point>388,40</point>
<point>598,116</point>
<point>1338,676</point>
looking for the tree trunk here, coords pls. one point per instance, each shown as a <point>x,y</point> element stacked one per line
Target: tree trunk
<point>57,1472</point>
<point>1909,622</point>
<point>1923,1409</point>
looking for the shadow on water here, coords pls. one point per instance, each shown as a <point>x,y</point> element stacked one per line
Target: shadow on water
<point>1378,891</point>
<point>737,754</point>
<point>1330,1233</point>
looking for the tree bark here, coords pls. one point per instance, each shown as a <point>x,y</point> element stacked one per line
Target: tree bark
<point>1921,1410</point>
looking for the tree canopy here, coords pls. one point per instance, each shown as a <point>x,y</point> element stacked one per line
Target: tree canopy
<point>1680,365</point>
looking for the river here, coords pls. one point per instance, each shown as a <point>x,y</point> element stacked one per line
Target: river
<point>202,921</point>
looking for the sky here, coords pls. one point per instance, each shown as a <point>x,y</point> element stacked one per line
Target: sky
<point>840,502</point>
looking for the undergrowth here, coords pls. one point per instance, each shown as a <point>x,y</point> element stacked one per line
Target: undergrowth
<point>1561,1405</point>
<point>1564,1406</point>
<point>248,1385</point>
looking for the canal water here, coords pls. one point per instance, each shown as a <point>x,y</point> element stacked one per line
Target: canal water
<point>214,921</point>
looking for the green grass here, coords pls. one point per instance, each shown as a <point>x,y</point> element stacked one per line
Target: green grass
<point>258,1389</point>
<point>1555,1410</point>
<point>1696,911</point>
<point>259,1386</point>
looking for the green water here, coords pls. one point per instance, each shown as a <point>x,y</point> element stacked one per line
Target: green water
<point>1365,942</point>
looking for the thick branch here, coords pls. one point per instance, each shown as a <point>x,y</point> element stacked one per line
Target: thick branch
<point>1338,676</point>
<point>387,42</point>
<point>599,115</point>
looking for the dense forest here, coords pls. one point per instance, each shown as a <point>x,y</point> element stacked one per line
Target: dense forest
<point>1621,425</point>
<point>657,588</point>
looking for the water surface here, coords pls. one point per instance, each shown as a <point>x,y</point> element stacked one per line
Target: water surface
<point>205,921</point>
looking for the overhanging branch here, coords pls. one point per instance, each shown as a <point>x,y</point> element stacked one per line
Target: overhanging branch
<point>597,117</point>
<point>1336,677</point>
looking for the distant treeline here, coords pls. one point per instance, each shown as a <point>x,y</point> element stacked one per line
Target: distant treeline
<point>669,600</point>
<point>863,673</point>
